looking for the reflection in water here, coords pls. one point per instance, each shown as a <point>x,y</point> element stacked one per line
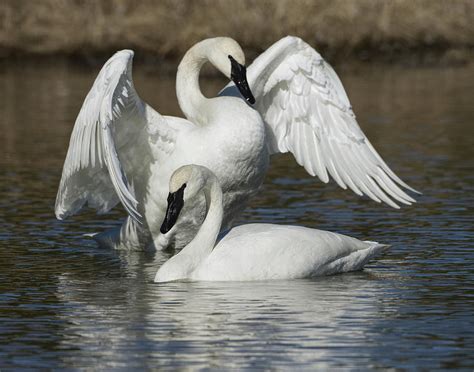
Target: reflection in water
<point>66,303</point>
<point>201,324</point>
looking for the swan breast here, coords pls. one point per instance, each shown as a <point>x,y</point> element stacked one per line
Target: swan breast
<point>232,144</point>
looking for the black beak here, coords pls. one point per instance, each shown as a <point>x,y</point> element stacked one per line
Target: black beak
<point>238,74</point>
<point>175,204</point>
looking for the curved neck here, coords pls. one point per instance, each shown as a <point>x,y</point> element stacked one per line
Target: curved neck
<point>190,98</point>
<point>204,241</point>
<point>181,265</point>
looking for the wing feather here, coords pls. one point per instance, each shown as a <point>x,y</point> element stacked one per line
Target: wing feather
<point>308,113</point>
<point>93,173</point>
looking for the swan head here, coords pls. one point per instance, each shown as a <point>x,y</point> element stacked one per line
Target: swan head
<point>185,183</point>
<point>228,57</point>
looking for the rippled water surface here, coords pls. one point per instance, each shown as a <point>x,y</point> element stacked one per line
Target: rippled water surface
<point>66,303</point>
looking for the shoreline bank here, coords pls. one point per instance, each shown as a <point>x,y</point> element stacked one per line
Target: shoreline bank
<point>426,32</point>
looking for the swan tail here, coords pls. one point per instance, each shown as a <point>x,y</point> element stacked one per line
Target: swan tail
<point>356,260</point>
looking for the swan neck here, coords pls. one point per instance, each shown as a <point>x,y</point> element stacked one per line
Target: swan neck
<point>182,265</point>
<point>204,241</point>
<point>190,98</point>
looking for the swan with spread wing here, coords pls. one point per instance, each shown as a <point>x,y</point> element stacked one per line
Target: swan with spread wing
<point>122,150</point>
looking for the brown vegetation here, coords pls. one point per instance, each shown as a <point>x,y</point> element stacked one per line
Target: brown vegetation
<point>166,28</point>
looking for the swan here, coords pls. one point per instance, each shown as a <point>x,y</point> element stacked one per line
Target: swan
<point>121,150</point>
<point>253,251</point>
<point>288,100</point>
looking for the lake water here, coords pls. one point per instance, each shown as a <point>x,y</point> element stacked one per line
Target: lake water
<point>65,303</point>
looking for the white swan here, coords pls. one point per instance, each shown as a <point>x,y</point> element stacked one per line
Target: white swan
<point>123,150</point>
<point>254,251</point>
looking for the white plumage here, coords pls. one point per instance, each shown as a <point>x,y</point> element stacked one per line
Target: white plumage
<point>307,110</point>
<point>256,251</point>
<point>123,150</point>
<point>92,168</point>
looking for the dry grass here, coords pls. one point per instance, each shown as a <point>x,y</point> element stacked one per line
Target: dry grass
<point>166,28</point>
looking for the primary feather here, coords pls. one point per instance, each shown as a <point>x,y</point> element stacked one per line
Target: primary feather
<point>308,113</point>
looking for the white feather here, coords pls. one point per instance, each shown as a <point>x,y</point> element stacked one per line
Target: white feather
<point>296,89</point>
<point>92,155</point>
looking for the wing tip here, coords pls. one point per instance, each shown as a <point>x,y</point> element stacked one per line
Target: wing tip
<point>293,38</point>
<point>133,212</point>
<point>122,58</point>
<point>379,247</point>
<point>323,177</point>
<point>137,217</point>
<point>60,215</point>
<point>125,53</point>
<point>404,184</point>
<point>415,191</point>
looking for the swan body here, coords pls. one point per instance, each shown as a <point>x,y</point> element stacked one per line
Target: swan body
<point>122,150</point>
<point>254,251</point>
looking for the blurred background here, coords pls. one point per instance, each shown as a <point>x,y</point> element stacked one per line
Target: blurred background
<point>407,66</point>
<point>429,31</point>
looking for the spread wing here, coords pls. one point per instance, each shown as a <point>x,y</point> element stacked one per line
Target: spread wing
<point>113,117</point>
<point>308,113</point>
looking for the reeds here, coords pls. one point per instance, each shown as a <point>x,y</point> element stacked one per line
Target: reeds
<point>166,28</point>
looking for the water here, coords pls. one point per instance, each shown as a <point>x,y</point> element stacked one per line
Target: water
<point>66,303</point>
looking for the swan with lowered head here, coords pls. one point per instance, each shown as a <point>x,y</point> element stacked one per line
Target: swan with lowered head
<point>253,251</point>
<point>122,150</point>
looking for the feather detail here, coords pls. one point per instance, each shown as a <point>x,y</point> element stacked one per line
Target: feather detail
<point>307,111</point>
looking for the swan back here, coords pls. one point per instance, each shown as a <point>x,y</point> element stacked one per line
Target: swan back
<point>267,251</point>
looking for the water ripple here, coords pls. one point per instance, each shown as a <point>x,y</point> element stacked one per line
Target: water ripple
<point>64,303</point>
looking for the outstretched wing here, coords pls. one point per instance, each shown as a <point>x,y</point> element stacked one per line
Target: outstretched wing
<point>112,116</point>
<point>308,113</point>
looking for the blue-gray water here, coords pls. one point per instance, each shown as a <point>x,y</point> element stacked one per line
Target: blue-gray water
<point>66,303</point>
